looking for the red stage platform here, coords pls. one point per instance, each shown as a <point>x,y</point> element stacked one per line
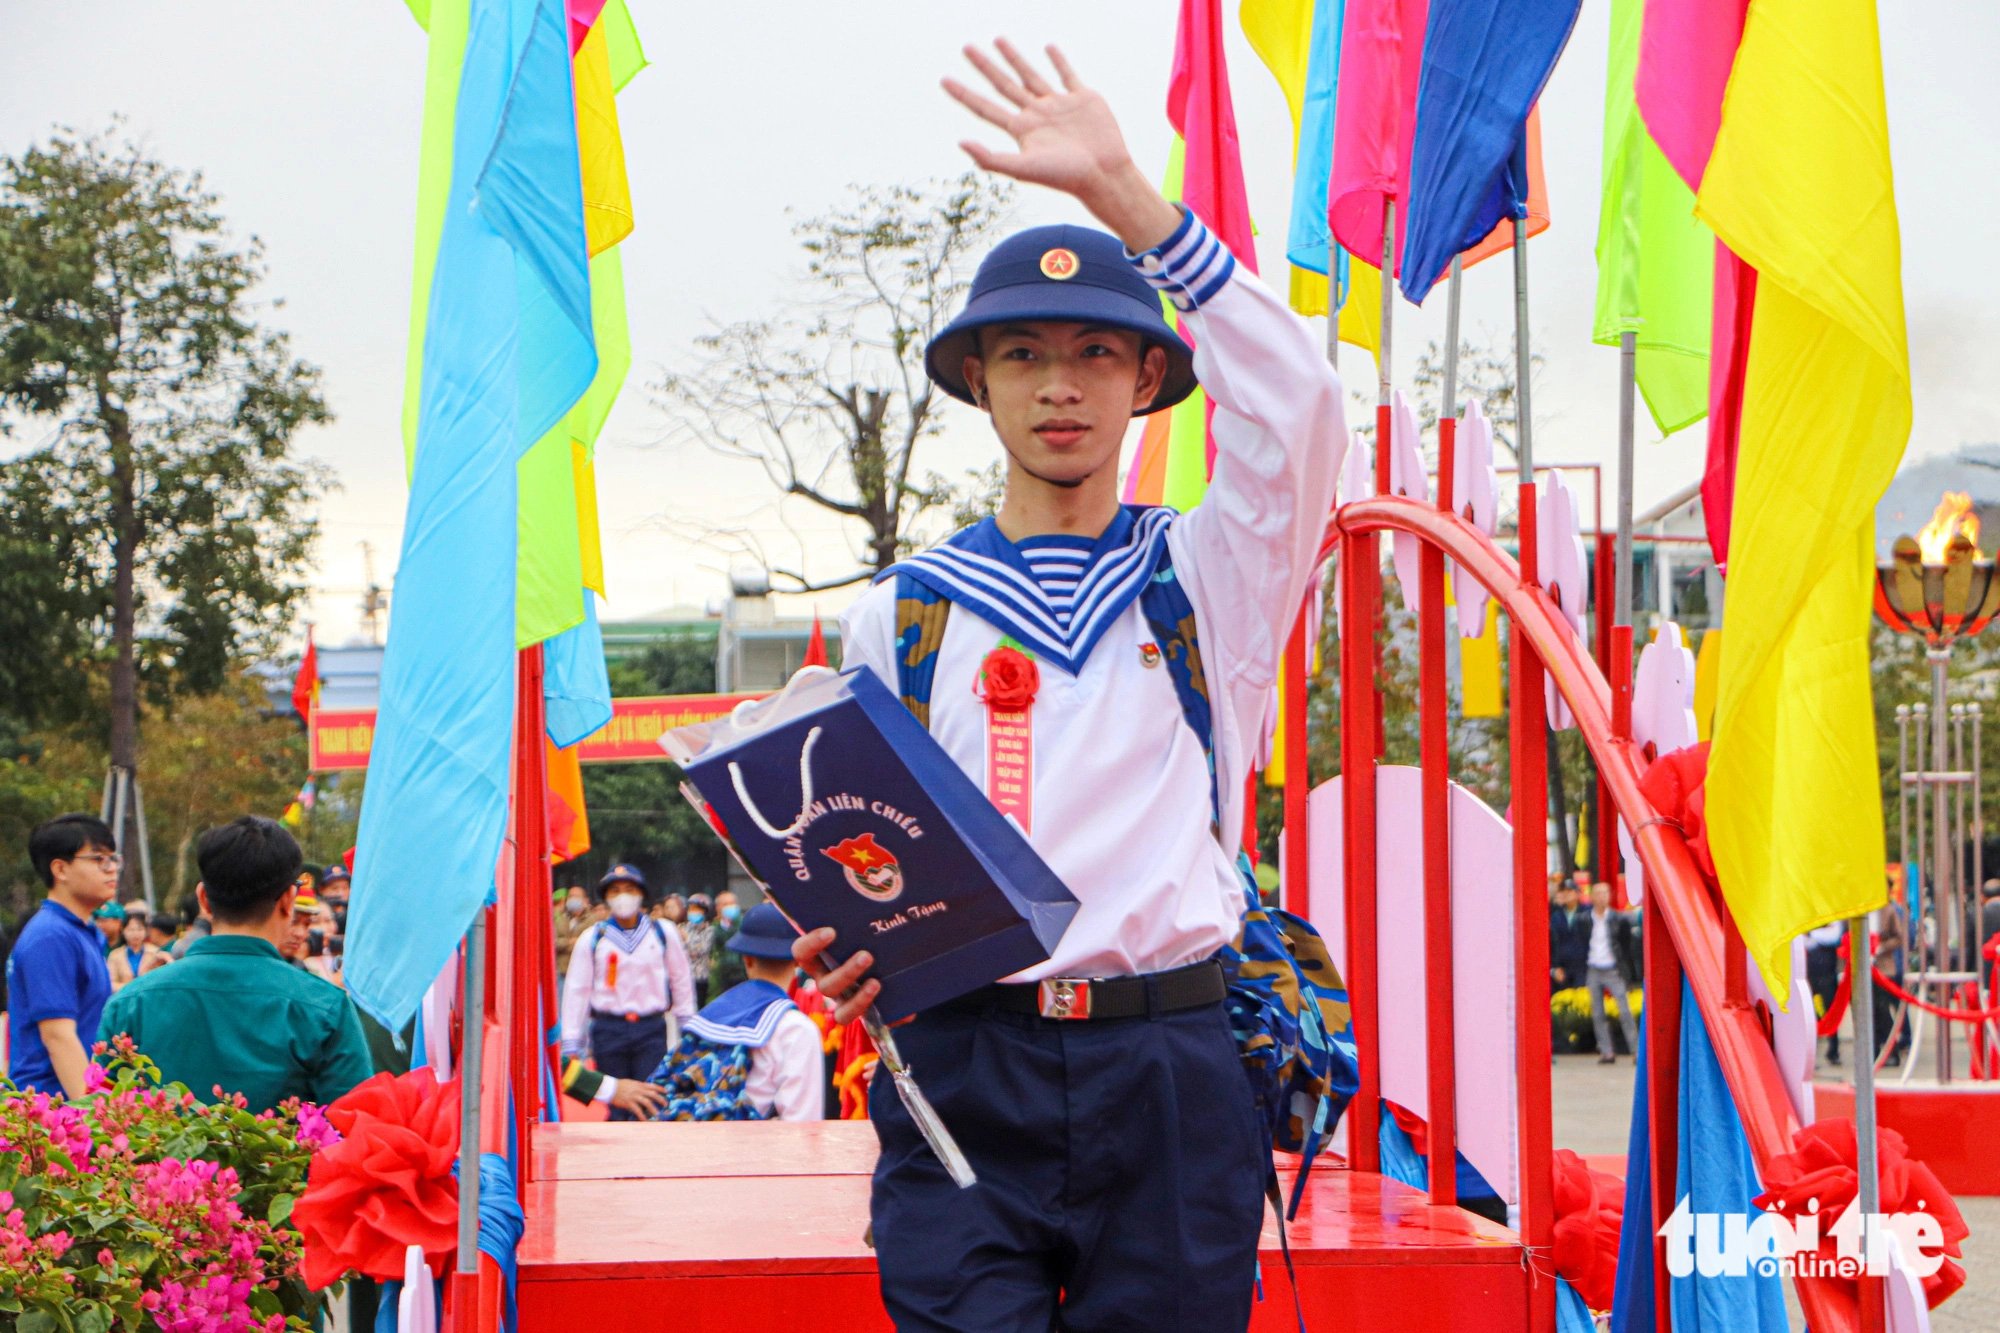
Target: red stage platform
<point>725,1228</point>
<point>1953,1129</point>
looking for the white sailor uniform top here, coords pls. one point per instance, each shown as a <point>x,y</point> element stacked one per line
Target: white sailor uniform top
<point>1121,797</point>
<point>787,1075</point>
<point>615,970</point>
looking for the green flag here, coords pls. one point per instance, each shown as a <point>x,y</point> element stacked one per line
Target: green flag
<point>556,560</point>
<point>1655,262</point>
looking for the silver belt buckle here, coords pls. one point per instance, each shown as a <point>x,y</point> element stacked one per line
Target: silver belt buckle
<point>1065,997</point>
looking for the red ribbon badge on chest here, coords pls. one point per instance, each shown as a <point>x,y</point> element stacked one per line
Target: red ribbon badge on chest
<point>1007,682</point>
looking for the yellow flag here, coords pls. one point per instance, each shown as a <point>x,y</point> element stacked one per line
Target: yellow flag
<point>607,194</point>
<point>1707,671</point>
<point>1800,187</point>
<point>1274,772</point>
<point>1280,32</point>
<point>1361,317</point>
<point>1479,668</point>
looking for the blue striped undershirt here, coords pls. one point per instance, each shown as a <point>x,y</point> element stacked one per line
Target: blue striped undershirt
<point>1058,564</point>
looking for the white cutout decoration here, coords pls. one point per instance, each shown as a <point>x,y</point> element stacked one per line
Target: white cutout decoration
<point>1474,491</point>
<point>1408,479</point>
<point>1560,568</point>
<point>1662,721</point>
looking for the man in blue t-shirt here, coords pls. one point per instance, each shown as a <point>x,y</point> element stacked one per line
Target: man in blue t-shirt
<point>56,978</point>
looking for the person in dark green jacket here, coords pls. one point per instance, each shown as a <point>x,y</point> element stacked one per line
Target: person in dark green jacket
<point>233,1016</point>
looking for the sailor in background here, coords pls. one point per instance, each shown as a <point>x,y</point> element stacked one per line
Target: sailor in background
<point>1099,1095</point>
<point>628,979</point>
<point>786,1079</point>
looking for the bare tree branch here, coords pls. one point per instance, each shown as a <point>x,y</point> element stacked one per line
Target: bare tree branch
<point>833,403</point>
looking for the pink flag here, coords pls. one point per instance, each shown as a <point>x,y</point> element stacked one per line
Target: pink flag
<point>1375,118</point>
<point>1686,49</point>
<point>1729,361</point>
<point>582,14</point>
<point>1198,105</point>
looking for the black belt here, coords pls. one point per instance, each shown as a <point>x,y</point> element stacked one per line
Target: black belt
<point>1074,998</point>
<point>628,1018</point>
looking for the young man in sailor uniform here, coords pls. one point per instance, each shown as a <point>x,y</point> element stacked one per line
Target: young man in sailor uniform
<point>625,976</point>
<point>1120,1160</point>
<point>787,1078</point>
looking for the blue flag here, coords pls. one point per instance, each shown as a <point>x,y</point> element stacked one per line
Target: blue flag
<point>576,683</point>
<point>1308,243</point>
<point>1632,1303</point>
<point>1715,1175</point>
<point>1484,64</point>
<point>507,350</point>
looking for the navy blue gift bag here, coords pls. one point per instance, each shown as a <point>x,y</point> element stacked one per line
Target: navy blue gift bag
<point>853,817</point>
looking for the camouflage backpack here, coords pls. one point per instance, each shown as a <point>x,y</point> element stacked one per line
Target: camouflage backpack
<point>1286,1002</point>
<point>704,1081</point>
<point>706,1074</point>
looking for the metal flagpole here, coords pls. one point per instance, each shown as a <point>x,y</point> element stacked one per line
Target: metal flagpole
<point>1382,360</point>
<point>1628,378</point>
<point>1524,431</point>
<point>1451,295</point>
<point>470,1062</point>
<point>1333,304</point>
<point>1861,1003</point>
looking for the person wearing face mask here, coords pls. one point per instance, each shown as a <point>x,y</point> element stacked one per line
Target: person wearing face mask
<point>572,921</point>
<point>725,969</point>
<point>699,934</point>
<point>625,976</point>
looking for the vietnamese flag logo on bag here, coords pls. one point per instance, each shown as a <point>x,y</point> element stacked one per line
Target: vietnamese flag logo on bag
<point>872,869</point>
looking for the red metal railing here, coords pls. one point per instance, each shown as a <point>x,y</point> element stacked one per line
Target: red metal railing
<point>1687,931</point>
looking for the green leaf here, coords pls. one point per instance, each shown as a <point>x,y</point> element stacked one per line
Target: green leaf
<point>96,1319</point>
<point>280,1209</point>
<point>36,1321</point>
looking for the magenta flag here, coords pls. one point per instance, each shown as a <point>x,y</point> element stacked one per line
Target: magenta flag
<point>1686,48</point>
<point>1198,105</point>
<point>1375,118</point>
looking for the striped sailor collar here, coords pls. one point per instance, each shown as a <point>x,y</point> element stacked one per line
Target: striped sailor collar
<point>980,569</point>
<point>747,1014</point>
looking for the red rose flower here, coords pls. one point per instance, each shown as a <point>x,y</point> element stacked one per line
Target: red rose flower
<point>386,1185</point>
<point>1008,680</point>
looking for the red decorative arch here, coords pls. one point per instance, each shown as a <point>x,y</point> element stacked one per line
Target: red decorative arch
<point>1703,942</point>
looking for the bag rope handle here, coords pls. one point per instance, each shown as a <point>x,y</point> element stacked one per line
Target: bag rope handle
<point>805,793</point>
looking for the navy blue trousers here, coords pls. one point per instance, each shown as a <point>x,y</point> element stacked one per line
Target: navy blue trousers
<point>627,1050</point>
<point>1121,1174</point>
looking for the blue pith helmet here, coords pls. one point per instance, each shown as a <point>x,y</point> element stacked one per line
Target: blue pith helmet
<point>764,934</point>
<point>624,873</point>
<point>1075,275</point>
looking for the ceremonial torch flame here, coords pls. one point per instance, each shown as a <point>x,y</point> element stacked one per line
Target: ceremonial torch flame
<point>1954,515</point>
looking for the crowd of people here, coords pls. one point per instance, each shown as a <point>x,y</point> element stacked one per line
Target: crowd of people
<point>1594,946</point>
<point>245,993</point>
<point>651,982</point>
<point>242,995</point>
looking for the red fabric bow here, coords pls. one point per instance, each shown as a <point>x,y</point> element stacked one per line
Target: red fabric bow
<point>1822,1169</point>
<point>1674,783</point>
<point>1008,680</point>
<point>387,1185</point>
<point>1590,1206</point>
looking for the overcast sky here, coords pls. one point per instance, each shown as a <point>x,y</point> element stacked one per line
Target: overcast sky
<point>305,116</point>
